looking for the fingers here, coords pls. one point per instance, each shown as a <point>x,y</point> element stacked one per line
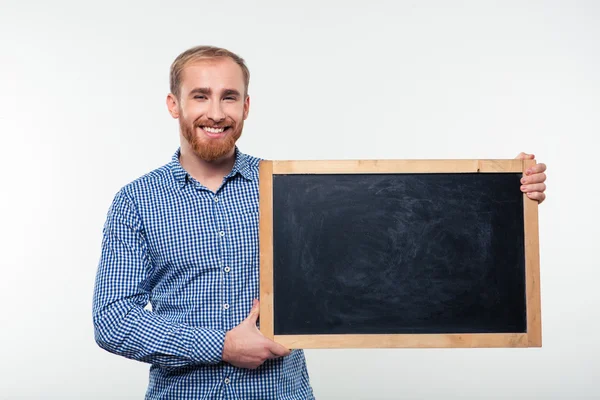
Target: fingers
<point>535,191</point>
<point>535,178</point>
<point>536,169</point>
<point>525,156</point>
<point>536,187</point>
<point>532,184</point>
<point>539,196</point>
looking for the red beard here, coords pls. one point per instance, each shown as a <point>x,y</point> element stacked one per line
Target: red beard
<point>211,149</point>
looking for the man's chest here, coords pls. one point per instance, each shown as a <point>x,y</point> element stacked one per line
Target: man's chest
<point>203,230</point>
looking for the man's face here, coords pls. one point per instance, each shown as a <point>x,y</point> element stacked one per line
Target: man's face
<point>212,107</point>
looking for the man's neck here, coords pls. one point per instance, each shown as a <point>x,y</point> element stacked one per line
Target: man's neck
<point>209,173</point>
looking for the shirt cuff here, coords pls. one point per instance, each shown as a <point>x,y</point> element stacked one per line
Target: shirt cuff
<point>208,346</point>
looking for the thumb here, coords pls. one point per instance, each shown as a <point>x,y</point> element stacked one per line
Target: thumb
<point>278,350</point>
<point>253,316</point>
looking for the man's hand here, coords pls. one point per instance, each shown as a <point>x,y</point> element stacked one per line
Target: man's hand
<point>533,182</point>
<point>246,347</point>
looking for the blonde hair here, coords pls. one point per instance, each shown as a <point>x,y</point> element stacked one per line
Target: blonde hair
<point>199,53</point>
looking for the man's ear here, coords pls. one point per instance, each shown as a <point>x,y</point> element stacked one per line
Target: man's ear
<point>246,106</point>
<point>173,105</point>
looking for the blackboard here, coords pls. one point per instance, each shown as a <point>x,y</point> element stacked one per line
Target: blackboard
<point>389,257</point>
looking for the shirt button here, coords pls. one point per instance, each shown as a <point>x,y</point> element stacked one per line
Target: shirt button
<point>222,233</point>
<point>227,381</point>
<point>227,269</point>
<point>226,306</point>
<point>216,198</point>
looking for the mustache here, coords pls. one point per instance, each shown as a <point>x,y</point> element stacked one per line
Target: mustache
<point>210,124</point>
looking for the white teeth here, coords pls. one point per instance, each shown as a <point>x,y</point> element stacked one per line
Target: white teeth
<point>213,130</point>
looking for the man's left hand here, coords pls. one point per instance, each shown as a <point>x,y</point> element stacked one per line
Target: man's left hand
<point>532,183</point>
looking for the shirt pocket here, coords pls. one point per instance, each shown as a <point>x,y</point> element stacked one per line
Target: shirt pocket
<point>244,240</point>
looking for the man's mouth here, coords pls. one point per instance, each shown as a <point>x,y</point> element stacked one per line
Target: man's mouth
<point>214,130</point>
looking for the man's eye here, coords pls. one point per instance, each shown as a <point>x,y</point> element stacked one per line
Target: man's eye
<point>199,97</point>
<point>230,98</point>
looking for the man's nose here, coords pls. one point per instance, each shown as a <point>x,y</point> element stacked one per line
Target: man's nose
<point>215,112</point>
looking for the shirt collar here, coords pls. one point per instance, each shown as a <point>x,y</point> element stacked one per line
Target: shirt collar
<point>241,166</point>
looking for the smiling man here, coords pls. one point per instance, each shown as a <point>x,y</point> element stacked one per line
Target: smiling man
<point>184,238</point>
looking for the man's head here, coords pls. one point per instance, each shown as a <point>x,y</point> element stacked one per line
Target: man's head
<point>209,96</point>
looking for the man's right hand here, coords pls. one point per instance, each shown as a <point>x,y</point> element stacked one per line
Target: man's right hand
<point>246,347</point>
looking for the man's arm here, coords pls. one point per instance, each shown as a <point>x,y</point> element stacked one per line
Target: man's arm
<point>122,325</point>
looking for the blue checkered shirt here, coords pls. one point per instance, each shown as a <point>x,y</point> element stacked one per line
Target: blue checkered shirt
<point>193,255</point>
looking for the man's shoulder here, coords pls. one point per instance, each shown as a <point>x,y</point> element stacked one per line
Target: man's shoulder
<point>156,180</point>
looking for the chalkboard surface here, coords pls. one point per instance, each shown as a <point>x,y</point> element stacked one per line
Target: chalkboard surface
<point>398,253</point>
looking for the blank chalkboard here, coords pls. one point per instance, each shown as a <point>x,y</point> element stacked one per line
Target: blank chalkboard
<point>402,255</point>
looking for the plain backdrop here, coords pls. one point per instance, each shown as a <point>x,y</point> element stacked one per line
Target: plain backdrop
<point>82,113</point>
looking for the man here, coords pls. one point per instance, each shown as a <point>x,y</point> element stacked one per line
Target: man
<point>185,239</point>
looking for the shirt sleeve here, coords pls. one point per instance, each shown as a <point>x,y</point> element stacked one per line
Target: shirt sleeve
<point>121,323</point>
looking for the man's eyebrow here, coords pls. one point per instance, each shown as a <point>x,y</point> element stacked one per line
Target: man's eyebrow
<point>230,92</point>
<point>206,91</point>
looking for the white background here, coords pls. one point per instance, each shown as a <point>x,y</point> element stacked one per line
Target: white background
<point>82,112</point>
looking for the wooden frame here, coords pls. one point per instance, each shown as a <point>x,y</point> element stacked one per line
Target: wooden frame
<point>533,335</point>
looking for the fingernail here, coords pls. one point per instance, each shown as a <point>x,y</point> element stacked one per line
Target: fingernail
<point>522,180</point>
<point>522,187</point>
<point>528,171</point>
